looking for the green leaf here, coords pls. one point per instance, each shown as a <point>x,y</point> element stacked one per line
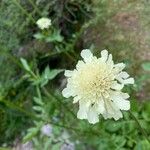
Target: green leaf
<point>112,126</point>
<point>53,73</point>
<point>146,66</point>
<point>46,72</point>
<point>38,100</point>
<point>38,108</point>
<point>142,145</point>
<point>39,36</point>
<point>119,141</point>
<point>55,37</point>
<point>31,133</point>
<point>25,64</point>
<point>56,146</point>
<point>44,82</point>
<point>49,75</point>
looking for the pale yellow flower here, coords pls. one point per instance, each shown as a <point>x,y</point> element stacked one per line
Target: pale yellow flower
<point>44,23</point>
<point>96,84</point>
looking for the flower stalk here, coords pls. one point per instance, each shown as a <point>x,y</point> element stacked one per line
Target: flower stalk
<point>140,127</point>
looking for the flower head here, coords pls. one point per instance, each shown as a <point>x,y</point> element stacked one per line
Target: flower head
<point>96,84</point>
<point>47,130</point>
<point>44,23</point>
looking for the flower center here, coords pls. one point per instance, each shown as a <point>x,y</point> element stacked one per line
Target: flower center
<point>98,86</point>
<point>93,80</point>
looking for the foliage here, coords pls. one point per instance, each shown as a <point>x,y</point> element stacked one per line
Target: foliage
<point>32,62</point>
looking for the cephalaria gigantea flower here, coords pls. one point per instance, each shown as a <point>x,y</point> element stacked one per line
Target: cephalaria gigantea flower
<point>44,23</point>
<point>96,85</point>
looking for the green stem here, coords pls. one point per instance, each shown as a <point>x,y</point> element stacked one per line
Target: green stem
<point>54,97</point>
<point>140,127</point>
<point>38,92</point>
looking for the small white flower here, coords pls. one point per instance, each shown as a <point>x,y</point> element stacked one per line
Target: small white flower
<point>44,23</point>
<point>96,84</point>
<point>47,130</point>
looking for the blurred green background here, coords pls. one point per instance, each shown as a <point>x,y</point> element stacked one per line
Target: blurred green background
<point>28,100</point>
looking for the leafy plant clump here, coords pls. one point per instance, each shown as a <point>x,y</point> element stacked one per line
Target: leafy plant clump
<point>33,112</point>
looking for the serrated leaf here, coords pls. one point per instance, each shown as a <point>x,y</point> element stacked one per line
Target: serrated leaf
<point>25,64</point>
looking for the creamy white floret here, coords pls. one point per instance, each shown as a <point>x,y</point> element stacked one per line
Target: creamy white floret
<point>96,84</point>
<point>44,23</point>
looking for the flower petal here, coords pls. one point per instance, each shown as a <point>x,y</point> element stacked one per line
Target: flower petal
<point>111,111</point>
<point>129,81</point>
<point>67,92</point>
<point>80,65</point>
<point>110,62</point>
<point>116,86</point>
<point>117,115</point>
<point>86,55</point>
<point>125,95</point>
<point>92,116</point>
<point>119,67</point>
<point>76,99</point>
<point>83,109</point>
<point>120,102</point>
<point>68,73</point>
<point>99,106</point>
<point>124,75</point>
<point>104,55</point>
